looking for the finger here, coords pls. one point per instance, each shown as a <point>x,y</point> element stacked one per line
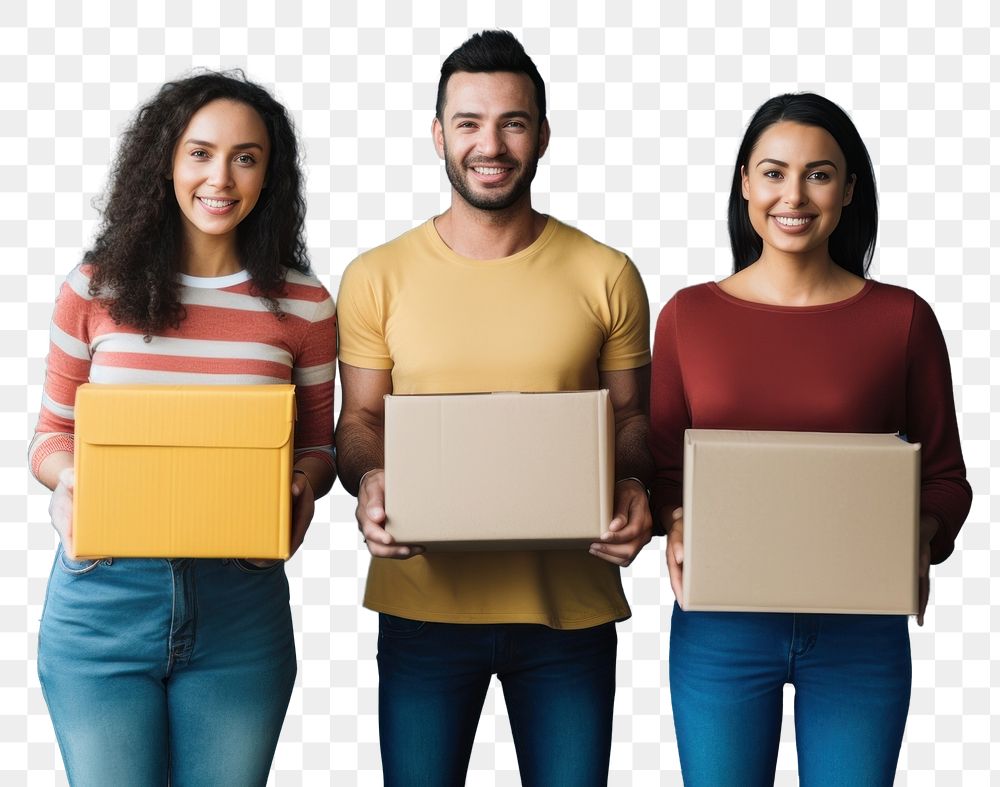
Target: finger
<point>923,594</point>
<point>677,550</point>
<point>623,513</point>
<point>374,533</point>
<point>622,554</point>
<point>628,532</point>
<point>676,578</point>
<point>608,557</point>
<point>395,551</point>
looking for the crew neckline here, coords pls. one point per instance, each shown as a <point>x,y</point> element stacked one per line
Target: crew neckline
<point>774,307</point>
<point>214,282</point>
<point>548,231</point>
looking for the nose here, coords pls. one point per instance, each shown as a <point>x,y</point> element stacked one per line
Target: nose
<point>793,195</point>
<point>220,176</point>
<point>490,142</point>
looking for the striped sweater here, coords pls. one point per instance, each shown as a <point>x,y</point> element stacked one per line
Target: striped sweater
<point>229,337</point>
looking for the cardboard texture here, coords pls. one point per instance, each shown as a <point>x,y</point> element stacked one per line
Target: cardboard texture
<point>183,471</point>
<point>800,522</point>
<point>499,471</point>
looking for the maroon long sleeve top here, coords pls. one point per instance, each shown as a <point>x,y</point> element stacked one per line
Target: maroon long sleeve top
<point>876,362</point>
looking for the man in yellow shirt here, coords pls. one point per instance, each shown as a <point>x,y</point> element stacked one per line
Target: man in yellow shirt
<point>492,295</point>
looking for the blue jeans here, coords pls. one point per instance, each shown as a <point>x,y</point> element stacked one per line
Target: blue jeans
<point>851,675</point>
<point>166,668</point>
<point>559,687</point>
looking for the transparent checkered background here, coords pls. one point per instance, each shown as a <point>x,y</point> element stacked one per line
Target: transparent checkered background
<point>647,108</point>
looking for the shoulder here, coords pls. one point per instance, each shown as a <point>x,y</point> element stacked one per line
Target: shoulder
<point>568,239</point>
<point>306,288</point>
<point>892,294</point>
<point>392,254</point>
<point>75,288</point>
<point>697,295</point>
<point>687,303</point>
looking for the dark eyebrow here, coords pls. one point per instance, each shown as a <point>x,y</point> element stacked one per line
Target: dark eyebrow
<point>810,165</point>
<point>242,146</point>
<point>514,113</point>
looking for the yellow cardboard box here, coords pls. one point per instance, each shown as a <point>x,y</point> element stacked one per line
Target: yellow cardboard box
<point>183,471</point>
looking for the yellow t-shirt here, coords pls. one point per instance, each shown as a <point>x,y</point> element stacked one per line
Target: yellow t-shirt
<point>548,318</point>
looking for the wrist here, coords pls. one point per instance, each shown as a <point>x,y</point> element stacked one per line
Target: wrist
<point>304,474</point>
<point>365,475</point>
<point>635,480</point>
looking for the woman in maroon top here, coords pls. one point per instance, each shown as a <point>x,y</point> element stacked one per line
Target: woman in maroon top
<point>798,339</point>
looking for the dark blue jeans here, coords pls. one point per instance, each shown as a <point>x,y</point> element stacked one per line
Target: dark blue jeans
<point>157,669</point>
<point>851,675</point>
<point>559,687</point>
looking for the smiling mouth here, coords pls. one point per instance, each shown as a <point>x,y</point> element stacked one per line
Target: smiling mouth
<point>793,221</point>
<point>490,170</point>
<point>217,203</point>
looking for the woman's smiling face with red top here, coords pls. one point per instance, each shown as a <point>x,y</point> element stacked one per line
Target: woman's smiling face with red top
<point>796,184</point>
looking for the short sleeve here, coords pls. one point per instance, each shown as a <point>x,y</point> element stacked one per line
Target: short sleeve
<point>627,345</point>
<point>361,320</point>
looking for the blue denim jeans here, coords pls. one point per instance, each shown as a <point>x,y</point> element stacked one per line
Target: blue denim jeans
<point>851,675</point>
<point>166,668</point>
<point>559,687</point>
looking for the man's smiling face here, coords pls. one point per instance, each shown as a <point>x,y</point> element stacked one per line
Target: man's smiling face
<point>490,137</point>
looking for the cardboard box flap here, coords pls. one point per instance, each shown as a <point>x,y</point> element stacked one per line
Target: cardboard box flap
<point>823,440</point>
<point>187,415</point>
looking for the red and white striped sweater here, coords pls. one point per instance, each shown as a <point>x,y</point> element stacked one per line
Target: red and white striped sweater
<point>229,337</point>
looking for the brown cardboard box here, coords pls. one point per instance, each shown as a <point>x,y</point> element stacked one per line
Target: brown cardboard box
<point>499,471</point>
<point>800,522</point>
<point>183,471</point>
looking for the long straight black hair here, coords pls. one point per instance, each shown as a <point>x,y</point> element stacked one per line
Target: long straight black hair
<point>852,243</point>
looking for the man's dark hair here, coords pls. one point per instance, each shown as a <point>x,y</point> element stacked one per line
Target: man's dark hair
<point>487,52</point>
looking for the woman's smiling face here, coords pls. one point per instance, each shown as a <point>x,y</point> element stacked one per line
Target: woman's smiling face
<point>219,166</point>
<point>796,184</point>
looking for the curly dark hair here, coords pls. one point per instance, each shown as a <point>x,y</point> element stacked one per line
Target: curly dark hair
<point>136,255</point>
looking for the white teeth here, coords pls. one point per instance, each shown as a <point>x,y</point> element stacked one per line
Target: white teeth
<point>217,203</point>
<point>488,170</point>
<point>788,221</point>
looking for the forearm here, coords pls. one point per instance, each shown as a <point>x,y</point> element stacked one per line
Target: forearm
<point>320,474</point>
<point>632,457</point>
<point>52,466</point>
<point>360,448</point>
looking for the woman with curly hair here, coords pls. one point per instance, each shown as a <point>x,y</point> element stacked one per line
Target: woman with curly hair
<point>181,670</point>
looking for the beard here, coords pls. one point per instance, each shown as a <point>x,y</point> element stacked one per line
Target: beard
<point>496,198</point>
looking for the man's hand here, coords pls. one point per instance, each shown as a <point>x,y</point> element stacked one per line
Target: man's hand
<point>61,509</point>
<point>675,554</point>
<point>370,514</point>
<point>928,529</point>
<point>631,526</point>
